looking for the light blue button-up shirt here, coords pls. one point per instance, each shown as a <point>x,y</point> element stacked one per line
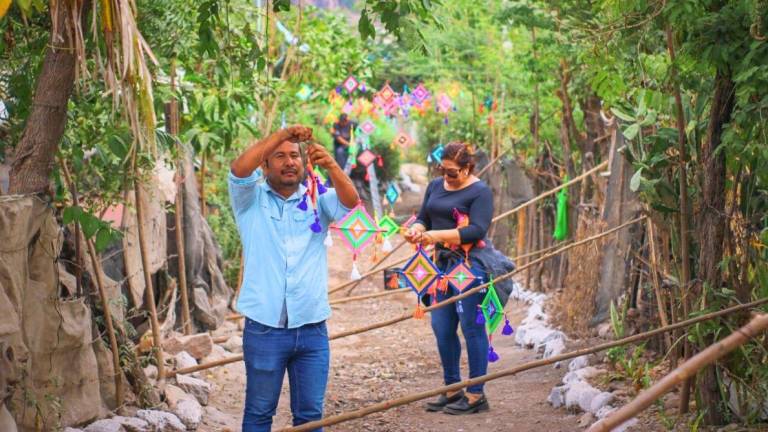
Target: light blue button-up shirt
<point>285,262</point>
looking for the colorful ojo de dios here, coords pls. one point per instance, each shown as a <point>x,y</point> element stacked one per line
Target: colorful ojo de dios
<point>491,312</point>
<point>357,230</point>
<point>421,274</point>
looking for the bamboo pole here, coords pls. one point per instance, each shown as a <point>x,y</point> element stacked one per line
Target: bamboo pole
<point>476,289</point>
<point>685,275</point>
<point>149,292</point>
<point>551,191</point>
<point>368,296</point>
<point>96,264</point>
<point>685,371</point>
<point>428,309</point>
<point>656,284</point>
<point>172,127</point>
<point>382,406</point>
<point>108,320</point>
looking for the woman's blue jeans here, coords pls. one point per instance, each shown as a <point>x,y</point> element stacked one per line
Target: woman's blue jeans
<point>445,323</point>
<point>268,352</point>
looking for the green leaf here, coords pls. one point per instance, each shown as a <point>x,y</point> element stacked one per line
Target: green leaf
<point>634,183</point>
<point>70,214</point>
<point>631,132</point>
<point>90,224</point>
<point>103,238</point>
<point>622,115</point>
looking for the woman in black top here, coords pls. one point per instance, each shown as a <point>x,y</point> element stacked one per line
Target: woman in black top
<point>458,193</point>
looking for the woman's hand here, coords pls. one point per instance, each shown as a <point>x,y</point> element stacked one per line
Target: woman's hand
<point>413,235</point>
<point>427,238</point>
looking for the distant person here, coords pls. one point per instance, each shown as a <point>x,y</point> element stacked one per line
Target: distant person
<point>449,199</point>
<point>342,136</point>
<point>284,294</point>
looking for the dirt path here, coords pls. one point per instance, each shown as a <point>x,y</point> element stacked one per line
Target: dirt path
<point>398,360</point>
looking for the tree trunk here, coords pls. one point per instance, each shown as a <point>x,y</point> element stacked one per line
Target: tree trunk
<point>35,153</point>
<point>712,224</point>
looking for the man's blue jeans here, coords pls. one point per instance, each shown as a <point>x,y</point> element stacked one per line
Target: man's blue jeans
<point>268,352</point>
<point>445,323</point>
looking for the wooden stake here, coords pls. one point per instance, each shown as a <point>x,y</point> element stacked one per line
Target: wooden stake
<point>172,127</point>
<point>386,405</point>
<point>149,293</point>
<point>685,275</point>
<point>96,264</point>
<point>656,284</point>
<point>685,371</point>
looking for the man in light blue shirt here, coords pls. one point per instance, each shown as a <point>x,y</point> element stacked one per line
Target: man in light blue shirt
<point>284,295</point>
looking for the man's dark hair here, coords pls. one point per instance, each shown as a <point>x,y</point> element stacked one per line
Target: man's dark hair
<point>343,117</point>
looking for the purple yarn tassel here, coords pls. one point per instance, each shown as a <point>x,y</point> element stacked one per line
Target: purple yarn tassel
<point>321,189</point>
<point>303,204</point>
<point>316,227</point>
<point>492,356</point>
<point>507,330</point>
<point>480,318</point>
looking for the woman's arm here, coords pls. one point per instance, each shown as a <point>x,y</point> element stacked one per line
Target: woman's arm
<point>480,216</point>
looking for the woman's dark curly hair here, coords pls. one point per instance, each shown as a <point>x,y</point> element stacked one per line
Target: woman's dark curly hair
<point>460,153</point>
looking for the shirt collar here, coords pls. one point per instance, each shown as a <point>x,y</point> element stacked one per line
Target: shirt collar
<point>295,197</point>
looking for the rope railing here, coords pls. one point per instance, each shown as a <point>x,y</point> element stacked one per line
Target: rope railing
<point>389,404</point>
<point>430,308</point>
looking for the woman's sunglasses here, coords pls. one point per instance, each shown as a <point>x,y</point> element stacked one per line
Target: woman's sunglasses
<point>448,172</point>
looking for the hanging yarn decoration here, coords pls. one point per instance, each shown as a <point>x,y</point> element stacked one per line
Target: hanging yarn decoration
<point>420,274</point>
<point>462,277</point>
<point>491,313</point>
<point>389,228</point>
<point>314,189</point>
<point>561,219</point>
<point>356,229</point>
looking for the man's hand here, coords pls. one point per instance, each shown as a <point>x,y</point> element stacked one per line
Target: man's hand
<point>319,156</point>
<point>298,133</point>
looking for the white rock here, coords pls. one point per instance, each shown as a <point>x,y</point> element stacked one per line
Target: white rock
<point>105,425</point>
<point>234,344</point>
<point>133,424</point>
<point>556,397</point>
<point>605,411</point>
<point>581,374</point>
<point>579,362</point>
<point>184,360</point>
<point>174,394</point>
<point>217,353</point>
<point>161,421</point>
<point>189,412</point>
<point>600,401</point>
<point>185,406</point>
<point>71,429</point>
<point>196,387</point>
<point>214,415</point>
<point>554,347</point>
<point>580,394</point>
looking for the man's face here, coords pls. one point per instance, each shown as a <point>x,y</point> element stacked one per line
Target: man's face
<point>285,167</point>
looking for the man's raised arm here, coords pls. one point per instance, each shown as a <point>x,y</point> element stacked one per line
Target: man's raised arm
<point>255,155</point>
